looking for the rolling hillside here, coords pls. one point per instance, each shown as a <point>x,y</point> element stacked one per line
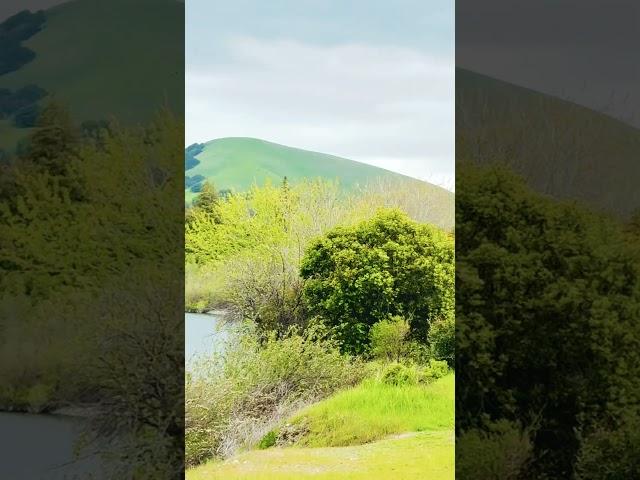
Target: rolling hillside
<point>562,149</point>
<point>236,163</point>
<point>107,59</point>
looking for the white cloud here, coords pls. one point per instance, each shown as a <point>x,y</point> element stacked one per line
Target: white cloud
<point>388,106</point>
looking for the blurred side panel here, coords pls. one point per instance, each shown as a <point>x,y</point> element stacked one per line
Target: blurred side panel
<point>91,239</point>
<point>547,239</point>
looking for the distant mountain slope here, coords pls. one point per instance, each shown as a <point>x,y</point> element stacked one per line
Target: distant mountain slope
<point>104,59</point>
<point>237,163</point>
<point>562,149</point>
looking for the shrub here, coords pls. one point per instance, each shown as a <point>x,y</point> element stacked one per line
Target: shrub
<point>498,453</point>
<point>269,440</point>
<point>434,370</point>
<point>399,374</point>
<point>388,338</point>
<point>442,340</point>
<point>235,398</point>
<point>611,453</point>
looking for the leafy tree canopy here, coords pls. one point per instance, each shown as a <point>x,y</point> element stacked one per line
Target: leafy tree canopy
<point>385,266</point>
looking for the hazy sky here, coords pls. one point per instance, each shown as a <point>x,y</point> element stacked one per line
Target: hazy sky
<point>369,80</point>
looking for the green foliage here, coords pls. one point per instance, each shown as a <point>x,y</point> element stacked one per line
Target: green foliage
<point>499,452</point>
<point>207,200</point>
<point>442,340</point>
<point>389,265</point>
<point>543,290</point>
<point>269,440</point>
<point>234,398</point>
<point>412,374</point>
<point>611,452</point>
<point>399,374</point>
<point>388,338</point>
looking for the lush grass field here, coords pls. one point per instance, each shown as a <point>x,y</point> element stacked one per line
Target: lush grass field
<point>411,457</point>
<point>373,410</point>
<point>372,431</point>
<point>238,163</point>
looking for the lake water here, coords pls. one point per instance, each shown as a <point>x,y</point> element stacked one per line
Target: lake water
<point>203,334</point>
<point>44,446</point>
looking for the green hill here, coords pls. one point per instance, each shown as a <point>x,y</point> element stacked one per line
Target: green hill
<point>561,148</point>
<point>107,59</point>
<point>236,163</point>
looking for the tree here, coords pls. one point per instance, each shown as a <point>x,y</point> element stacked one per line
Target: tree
<point>208,198</point>
<point>385,266</point>
<point>54,140</point>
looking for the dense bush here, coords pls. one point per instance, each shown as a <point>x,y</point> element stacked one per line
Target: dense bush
<point>389,265</point>
<point>612,452</point>
<point>236,397</point>
<point>412,374</point>
<point>389,338</point>
<point>442,339</point>
<point>500,451</point>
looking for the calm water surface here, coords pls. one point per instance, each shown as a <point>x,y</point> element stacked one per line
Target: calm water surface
<point>43,447</point>
<point>204,333</point>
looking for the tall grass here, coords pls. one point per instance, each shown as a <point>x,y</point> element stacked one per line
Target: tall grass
<point>374,410</point>
<point>234,398</point>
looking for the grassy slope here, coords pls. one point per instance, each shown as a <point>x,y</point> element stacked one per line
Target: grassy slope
<point>561,148</point>
<point>99,57</point>
<point>351,418</point>
<point>237,163</point>
<point>373,411</point>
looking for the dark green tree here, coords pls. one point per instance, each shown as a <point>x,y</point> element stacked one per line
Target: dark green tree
<point>382,267</point>
<point>207,199</point>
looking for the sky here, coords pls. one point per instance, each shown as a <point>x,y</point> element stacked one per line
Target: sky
<point>368,80</point>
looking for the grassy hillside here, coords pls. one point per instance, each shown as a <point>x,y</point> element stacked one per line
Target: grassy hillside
<point>237,163</point>
<point>106,59</point>
<point>561,148</point>
<point>372,431</point>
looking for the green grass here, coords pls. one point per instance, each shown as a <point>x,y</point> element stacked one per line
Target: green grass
<point>372,431</point>
<point>372,411</point>
<point>95,57</point>
<point>411,457</point>
<point>238,163</point>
